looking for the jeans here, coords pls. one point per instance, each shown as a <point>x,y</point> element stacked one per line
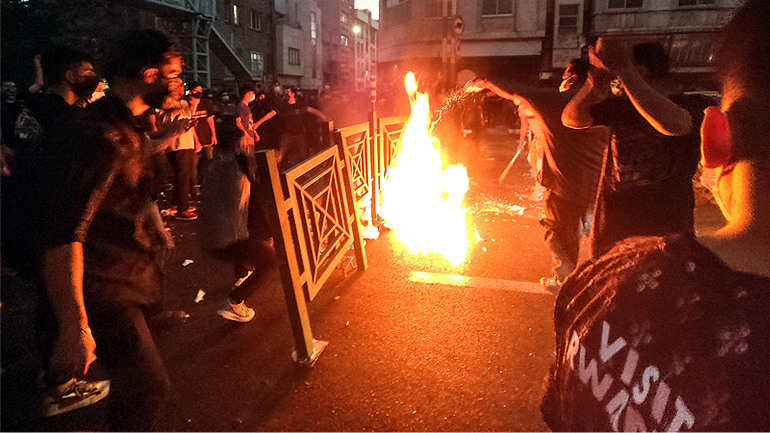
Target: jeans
<point>565,223</point>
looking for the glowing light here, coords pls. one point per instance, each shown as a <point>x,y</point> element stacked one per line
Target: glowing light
<point>421,201</point>
<point>356,29</point>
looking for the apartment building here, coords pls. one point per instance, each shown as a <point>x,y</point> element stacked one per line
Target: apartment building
<point>364,33</point>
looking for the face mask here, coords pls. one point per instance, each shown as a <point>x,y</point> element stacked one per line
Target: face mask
<point>197,95</point>
<point>84,88</point>
<point>225,98</point>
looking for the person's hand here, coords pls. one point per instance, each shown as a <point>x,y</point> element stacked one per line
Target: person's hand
<point>609,54</point>
<point>476,86</point>
<point>256,137</point>
<point>73,350</point>
<point>601,81</point>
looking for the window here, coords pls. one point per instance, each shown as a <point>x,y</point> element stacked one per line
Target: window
<point>256,20</point>
<point>313,29</point>
<point>343,18</point>
<point>257,63</point>
<point>568,19</point>
<point>293,56</point>
<point>696,2</point>
<point>236,21</point>
<point>434,8</point>
<point>624,4</point>
<point>228,12</point>
<point>496,7</point>
<point>344,41</point>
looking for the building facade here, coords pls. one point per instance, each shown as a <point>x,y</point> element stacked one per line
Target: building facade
<point>298,51</point>
<point>364,41</point>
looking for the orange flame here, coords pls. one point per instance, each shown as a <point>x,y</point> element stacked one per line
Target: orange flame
<point>422,202</point>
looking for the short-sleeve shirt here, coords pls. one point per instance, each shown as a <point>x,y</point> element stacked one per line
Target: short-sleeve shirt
<point>572,158</point>
<point>202,128</point>
<point>186,140</point>
<point>100,195</point>
<point>292,118</point>
<point>660,335</point>
<point>246,120</point>
<point>646,185</point>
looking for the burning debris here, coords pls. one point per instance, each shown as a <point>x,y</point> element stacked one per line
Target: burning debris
<point>422,200</point>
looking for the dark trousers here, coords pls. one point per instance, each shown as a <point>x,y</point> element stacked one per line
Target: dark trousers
<point>184,164</point>
<point>139,381</point>
<point>564,222</point>
<point>294,149</point>
<point>251,254</point>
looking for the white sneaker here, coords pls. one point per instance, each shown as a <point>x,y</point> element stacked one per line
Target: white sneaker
<point>74,395</point>
<point>237,312</point>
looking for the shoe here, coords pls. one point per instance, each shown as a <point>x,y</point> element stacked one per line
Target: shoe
<point>76,394</point>
<point>552,284</point>
<point>168,212</point>
<point>187,215</point>
<point>237,312</point>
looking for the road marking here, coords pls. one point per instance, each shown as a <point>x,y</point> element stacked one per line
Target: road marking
<point>478,282</point>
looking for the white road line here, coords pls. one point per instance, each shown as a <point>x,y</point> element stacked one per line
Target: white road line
<point>478,282</point>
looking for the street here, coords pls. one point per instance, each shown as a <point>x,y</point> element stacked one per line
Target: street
<point>410,349</point>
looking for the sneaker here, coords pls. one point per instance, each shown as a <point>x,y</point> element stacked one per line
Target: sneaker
<point>552,284</point>
<point>237,312</point>
<point>74,395</point>
<point>188,215</point>
<point>168,212</point>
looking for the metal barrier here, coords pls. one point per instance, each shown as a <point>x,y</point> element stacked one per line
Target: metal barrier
<point>314,212</point>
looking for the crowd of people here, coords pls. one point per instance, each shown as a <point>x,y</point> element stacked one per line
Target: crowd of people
<point>659,329</point>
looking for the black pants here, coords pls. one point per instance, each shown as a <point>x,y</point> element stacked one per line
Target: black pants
<point>184,163</point>
<point>294,149</point>
<point>139,381</point>
<point>564,222</point>
<point>252,254</point>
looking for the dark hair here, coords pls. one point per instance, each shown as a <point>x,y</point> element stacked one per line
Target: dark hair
<point>244,89</point>
<point>578,67</point>
<point>136,50</point>
<point>742,53</point>
<point>194,84</point>
<point>58,59</point>
<point>653,56</point>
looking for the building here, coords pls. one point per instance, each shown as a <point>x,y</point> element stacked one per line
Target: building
<point>686,28</point>
<point>364,62</point>
<point>336,35</point>
<point>298,52</point>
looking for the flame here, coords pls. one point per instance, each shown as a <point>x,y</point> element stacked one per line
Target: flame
<point>421,201</point>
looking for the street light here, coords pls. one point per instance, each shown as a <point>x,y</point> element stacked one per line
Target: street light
<point>356,29</point>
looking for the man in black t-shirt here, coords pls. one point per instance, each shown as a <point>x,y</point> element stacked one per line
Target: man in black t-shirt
<point>670,333</point>
<point>646,184</point>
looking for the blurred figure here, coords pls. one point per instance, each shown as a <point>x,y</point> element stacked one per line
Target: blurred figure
<point>646,185</point>
<point>670,333</point>
<point>233,223</point>
<point>102,243</point>
<point>205,126</point>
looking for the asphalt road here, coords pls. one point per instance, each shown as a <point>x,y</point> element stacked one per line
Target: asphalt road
<point>409,349</point>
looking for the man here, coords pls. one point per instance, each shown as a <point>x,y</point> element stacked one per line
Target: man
<point>101,264</point>
<point>244,121</point>
<point>205,127</point>
<point>70,78</point>
<point>181,154</point>
<point>646,185</point>
<point>670,333</point>
<point>568,168</point>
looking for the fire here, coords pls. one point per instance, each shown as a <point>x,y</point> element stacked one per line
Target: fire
<point>422,202</point>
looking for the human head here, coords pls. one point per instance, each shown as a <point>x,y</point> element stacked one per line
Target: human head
<point>9,91</point>
<point>737,131</point>
<point>247,93</point>
<point>67,66</point>
<point>651,58</point>
<point>574,74</point>
<point>145,63</point>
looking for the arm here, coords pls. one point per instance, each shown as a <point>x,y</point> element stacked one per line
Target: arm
<point>577,113</point>
<point>239,124</point>
<point>659,111</point>
<point>264,119</point>
<point>39,80</point>
<point>213,127</point>
<point>63,275</point>
<point>318,114</point>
